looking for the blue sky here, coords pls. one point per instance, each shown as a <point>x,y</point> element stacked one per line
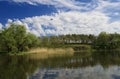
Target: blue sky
<point>11,10</point>
<point>58,17</point>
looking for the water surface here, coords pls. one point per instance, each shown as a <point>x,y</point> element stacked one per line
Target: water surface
<point>82,65</point>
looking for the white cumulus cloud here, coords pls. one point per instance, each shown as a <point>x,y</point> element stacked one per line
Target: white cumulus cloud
<point>72,22</point>
<point>1,26</point>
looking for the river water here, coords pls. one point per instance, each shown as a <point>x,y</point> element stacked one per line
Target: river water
<point>81,65</point>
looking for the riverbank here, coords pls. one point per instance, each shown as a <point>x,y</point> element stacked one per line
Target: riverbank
<point>67,49</point>
<point>47,51</point>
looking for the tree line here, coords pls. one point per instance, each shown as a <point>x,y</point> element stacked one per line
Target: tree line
<point>16,39</point>
<point>102,41</point>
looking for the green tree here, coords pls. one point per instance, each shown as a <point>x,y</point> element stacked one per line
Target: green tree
<point>7,40</point>
<point>15,39</point>
<point>32,41</point>
<point>102,41</point>
<point>114,41</point>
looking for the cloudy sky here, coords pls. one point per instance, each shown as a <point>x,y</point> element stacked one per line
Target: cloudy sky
<point>60,17</point>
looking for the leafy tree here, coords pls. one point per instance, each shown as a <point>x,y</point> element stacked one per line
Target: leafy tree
<point>115,40</point>
<point>107,41</point>
<point>15,39</point>
<point>7,40</point>
<point>102,41</point>
<point>32,41</point>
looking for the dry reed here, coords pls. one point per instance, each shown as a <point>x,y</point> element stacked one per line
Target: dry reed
<point>42,53</point>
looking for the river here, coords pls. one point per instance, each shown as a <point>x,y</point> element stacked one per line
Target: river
<point>81,65</point>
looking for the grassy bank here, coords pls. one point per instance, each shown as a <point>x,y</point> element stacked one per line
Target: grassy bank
<point>65,49</point>
<point>45,52</point>
<point>79,47</point>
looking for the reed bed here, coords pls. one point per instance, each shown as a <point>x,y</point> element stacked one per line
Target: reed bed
<point>42,53</point>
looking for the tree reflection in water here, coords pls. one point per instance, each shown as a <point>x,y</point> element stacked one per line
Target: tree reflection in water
<point>86,65</point>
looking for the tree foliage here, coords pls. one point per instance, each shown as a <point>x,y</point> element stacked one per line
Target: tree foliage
<point>15,39</point>
<point>107,41</point>
<point>102,41</point>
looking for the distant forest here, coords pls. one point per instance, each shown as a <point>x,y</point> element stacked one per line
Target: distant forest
<point>102,41</point>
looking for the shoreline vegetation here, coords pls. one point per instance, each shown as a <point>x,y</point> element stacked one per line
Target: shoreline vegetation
<point>15,40</point>
<point>47,51</point>
<point>43,53</point>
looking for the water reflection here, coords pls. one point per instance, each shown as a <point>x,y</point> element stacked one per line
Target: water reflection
<point>82,65</point>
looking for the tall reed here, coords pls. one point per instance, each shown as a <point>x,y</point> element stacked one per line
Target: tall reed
<point>42,53</point>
